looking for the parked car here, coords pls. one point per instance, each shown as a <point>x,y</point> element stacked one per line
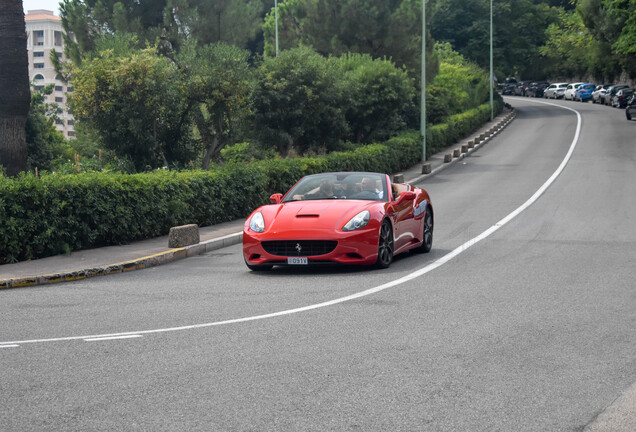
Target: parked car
<point>621,97</point>
<point>570,89</point>
<point>599,92</point>
<point>584,92</point>
<point>343,217</point>
<point>611,91</point>
<point>536,89</point>
<point>630,110</point>
<point>555,91</point>
<point>508,87</point>
<point>521,88</point>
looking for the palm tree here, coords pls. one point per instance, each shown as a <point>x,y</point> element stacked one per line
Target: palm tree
<point>15,95</point>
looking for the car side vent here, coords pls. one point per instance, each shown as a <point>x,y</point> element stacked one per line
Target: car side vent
<point>307,216</point>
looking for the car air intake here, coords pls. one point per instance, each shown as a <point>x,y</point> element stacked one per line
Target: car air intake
<point>299,247</point>
<point>307,216</point>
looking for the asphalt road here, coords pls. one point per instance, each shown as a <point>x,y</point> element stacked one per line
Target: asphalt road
<point>533,328</point>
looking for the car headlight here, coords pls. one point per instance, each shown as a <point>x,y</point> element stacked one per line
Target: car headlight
<point>257,223</point>
<point>358,221</point>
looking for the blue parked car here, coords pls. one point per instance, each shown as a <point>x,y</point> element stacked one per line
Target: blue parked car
<point>584,92</point>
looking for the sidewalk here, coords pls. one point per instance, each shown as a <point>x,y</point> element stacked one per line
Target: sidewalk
<point>149,253</point>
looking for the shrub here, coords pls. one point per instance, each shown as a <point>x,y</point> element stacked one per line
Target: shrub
<point>380,95</point>
<point>297,102</point>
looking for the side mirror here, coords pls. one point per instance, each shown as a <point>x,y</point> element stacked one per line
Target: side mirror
<point>276,198</point>
<point>405,196</point>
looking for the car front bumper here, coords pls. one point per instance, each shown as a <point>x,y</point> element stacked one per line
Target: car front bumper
<point>355,247</point>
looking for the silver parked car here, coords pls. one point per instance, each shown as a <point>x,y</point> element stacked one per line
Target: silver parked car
<point>555,91</point>
<point>570,89</point>
<point>611,91</point>
<point>599,93</point>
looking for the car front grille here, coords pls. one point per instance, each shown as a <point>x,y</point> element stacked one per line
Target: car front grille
<point>299,247</point>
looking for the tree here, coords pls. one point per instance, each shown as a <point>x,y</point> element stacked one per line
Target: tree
<point>519,27</point>
<point>381,28</point>
<point>236,22</point>
<point>44,141</point>
<point>379,97</point>
<point>14,92</point>
<point>612,23</point>
<point>219,82</point>
<point>298,103</point>
<point>138,104</point>
<point>570,46</point>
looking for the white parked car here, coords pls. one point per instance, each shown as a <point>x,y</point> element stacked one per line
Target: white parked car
<point>555,91</point>
<point>570,89</point>
<point>599,93</point>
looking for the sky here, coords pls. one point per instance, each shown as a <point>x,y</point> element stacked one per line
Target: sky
<point>52,5</point>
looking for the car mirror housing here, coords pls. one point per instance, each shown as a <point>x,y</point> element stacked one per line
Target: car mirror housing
<point>276,198</point>
<point>406,196</point>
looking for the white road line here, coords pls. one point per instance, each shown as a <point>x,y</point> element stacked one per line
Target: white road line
<point>10,346</point>
<point>432,266</point>
<point>95,339</point>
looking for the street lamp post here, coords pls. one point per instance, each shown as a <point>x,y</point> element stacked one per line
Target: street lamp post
<point>492,77</point>
<point>276,18</point>
<point>423,96</point>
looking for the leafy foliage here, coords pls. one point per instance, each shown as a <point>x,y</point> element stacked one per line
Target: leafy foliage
<point>612,24</point>
<point>297,102</point>
<point>378,98</point>
<point>570,46</point>
<point>44,142</point>
<point>136,104</point>
<point>218,81</point>
<point>236,22</point>
<point>381,28</point>
<point>518,27</point>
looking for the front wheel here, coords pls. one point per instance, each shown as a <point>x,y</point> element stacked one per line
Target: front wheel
<point>427,236</point>
<point>385,246</point>
<point>628,114</point>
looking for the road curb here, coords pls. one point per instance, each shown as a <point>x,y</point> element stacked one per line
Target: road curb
<point>473,145</point>
<point>125,266</point>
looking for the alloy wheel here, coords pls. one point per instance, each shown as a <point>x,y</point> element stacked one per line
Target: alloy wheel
<point>385,245</point>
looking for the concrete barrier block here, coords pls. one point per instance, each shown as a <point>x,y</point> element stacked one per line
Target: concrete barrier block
<point>426,168</point>
<point>456,153</point>
<point>448,157</point>
<point>398,178</point>
<point>464,148</point>
<point>184,235</point>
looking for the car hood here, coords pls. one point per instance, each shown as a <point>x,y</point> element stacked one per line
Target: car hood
<point>313,215</point>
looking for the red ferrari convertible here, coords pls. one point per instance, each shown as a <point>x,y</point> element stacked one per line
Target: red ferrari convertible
<point>342,217</point>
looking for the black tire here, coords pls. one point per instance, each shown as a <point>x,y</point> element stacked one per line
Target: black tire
<point>427,243</point>
<point>385,246</point>
<point>259,268</point>
<point>628,114</point>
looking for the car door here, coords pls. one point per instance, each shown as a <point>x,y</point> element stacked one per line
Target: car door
<point>403,221</point>
<point>549,92</point>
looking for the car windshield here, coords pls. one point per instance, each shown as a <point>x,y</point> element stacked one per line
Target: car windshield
<point>357,185</point>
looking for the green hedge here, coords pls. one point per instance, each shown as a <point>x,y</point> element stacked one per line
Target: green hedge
<point>60,213</point>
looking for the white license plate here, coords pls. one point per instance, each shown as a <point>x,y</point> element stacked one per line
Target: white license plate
<point>297,260</point>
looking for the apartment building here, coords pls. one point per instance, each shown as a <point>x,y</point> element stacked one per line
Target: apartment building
<point>44,34</point>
